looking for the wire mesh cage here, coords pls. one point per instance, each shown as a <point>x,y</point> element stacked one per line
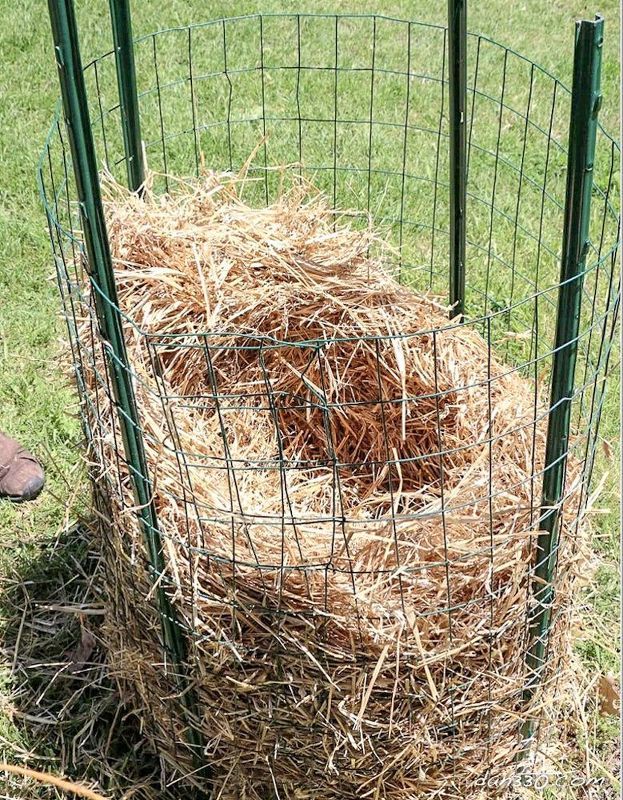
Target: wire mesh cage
<point>333,525</point>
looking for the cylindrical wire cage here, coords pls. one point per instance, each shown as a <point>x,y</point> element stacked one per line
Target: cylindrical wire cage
<point>359,106</point>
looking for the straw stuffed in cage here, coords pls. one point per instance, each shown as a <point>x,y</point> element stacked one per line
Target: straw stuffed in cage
<point>347,487</point>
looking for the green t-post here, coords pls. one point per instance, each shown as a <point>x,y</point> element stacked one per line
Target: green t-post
<point>585,103</point>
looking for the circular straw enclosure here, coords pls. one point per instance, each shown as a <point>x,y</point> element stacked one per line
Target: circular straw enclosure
<point>335,643</point>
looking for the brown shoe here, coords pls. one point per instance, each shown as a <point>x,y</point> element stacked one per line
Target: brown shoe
<point>21,475</point>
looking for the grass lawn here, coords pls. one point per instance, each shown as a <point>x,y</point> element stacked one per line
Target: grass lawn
<point>46,569</point>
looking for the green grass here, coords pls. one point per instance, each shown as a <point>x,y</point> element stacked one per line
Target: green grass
<point>37,403</point>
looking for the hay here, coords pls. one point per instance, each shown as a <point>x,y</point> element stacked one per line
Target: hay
<point>346,486</point>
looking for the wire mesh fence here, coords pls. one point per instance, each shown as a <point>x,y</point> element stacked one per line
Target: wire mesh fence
<point>342,490</point>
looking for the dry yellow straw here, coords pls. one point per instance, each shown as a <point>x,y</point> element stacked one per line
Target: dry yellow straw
<point>52,780</point>
<point>348,534</point>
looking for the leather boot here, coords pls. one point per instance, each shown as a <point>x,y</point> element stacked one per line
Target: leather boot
<point>21,475</point>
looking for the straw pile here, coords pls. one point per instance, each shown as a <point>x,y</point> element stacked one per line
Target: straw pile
<point>343,484</point>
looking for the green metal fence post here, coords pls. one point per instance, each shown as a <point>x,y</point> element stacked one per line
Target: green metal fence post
<point>73,90</point>
<point>457,85</point>
<point>128,95</point>
<point>585,103</point>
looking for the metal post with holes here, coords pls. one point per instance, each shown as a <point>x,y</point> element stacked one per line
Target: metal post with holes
<point>128,94</point>
<point>457,86</point>
<point>585,103</point>
<point>100,269</point>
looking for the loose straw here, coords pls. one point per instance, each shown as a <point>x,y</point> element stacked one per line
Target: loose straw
<point>346,487</point>
<point>52,780</point>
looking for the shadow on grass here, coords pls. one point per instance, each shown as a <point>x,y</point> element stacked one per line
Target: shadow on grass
<point>62,712</point>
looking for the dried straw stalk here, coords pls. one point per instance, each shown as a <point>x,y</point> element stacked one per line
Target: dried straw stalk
<point>347,487</point>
